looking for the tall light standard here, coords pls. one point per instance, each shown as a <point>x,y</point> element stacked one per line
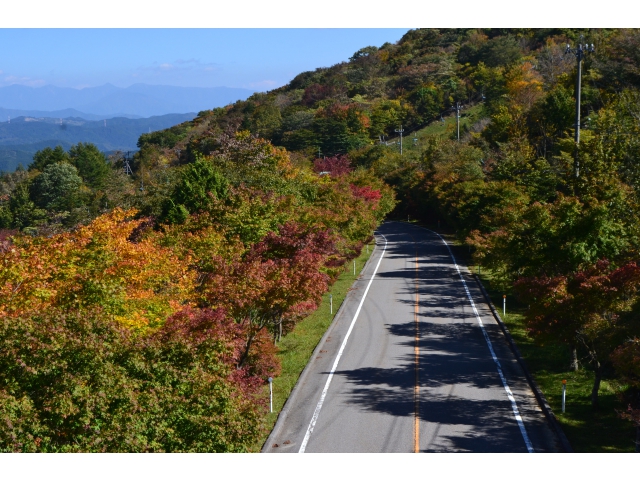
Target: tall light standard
<point>400,130</point>
<point>457,108</point>
<point>579,52</point>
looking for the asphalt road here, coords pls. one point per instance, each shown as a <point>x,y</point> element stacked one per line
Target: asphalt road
<point>414,362</point>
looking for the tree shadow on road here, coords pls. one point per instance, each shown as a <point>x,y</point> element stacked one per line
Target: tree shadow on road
<point>461,396</point>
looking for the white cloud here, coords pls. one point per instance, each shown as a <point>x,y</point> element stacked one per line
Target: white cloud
<point>29,82</point>
<point>191,61</point>
<point>263,84</point>
<point>177,66</point>
<point>177,72</point>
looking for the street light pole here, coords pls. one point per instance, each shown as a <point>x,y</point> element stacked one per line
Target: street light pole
<point>457,108</point>
<point>400,130</point>
<point>579,52</point>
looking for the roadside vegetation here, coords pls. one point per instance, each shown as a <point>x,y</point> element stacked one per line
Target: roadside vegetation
<point>588,429</point>
<point>155,327</point>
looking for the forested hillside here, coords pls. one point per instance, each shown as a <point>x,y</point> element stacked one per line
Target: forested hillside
<point>142,312</point>
<point>554,224</point>
<point>231,225</point>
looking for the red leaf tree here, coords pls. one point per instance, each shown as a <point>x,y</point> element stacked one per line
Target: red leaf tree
<point>582,308</point>
<point>337,165</point>
<point>278,280</point>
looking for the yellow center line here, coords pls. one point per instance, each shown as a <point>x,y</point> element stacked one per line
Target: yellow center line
<point>416,351</point>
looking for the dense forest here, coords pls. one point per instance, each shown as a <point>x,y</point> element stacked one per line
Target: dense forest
<point>142,312</point>
<point>231,226</point>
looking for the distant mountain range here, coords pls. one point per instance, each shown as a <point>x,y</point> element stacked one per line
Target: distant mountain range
<point>8,113</point>
<point>25,135</point>
<point>34,118</point>
<point>108,101</point>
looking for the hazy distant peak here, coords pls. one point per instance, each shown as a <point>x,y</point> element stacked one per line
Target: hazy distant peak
<point>137,100</point>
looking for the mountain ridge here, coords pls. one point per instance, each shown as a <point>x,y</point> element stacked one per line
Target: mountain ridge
<point>9,113</point>
<point>139,99</point>
<point>25,135</point>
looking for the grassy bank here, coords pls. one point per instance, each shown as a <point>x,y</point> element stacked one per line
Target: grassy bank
<point>588,429</point>
<point>295,349</point>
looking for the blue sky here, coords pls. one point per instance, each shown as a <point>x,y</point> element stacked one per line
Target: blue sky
<point>259,59</point>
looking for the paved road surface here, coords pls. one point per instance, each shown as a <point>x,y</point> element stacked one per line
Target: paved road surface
<point>420,370</point>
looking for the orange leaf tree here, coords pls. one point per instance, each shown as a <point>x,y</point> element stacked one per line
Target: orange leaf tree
<point>138,282</point>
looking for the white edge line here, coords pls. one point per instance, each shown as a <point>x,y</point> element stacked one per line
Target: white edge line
<point>314,418</point>
<point>514,405</point>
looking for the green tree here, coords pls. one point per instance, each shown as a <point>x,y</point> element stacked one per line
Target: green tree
<point>500,51</point>
<point>56,188</point>
<point>23,210</point>
<point>553,238</point>
<point>85,384</point>
<point>386,116</point>
<point>266,120</point>
<point>6,218</point>
<point>200,183</point>
<point>91,164</point>
<point>428,102</point>
<point>48,156</point>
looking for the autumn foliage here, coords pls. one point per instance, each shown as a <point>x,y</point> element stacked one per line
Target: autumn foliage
<point>138,283</point>
<point>335,166</point>
<point>78,382</point>
<point>155,328</point>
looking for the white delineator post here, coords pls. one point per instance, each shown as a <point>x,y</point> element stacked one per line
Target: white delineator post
<point>564,394</point>
<point>504,305</point>
<point>270,395</point>
<point>354,267</point>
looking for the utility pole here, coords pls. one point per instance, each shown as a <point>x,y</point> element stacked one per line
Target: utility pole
<point>400,130</point>
<point>579,52</point>
<point>457,108</point>
<point>127,166</point>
